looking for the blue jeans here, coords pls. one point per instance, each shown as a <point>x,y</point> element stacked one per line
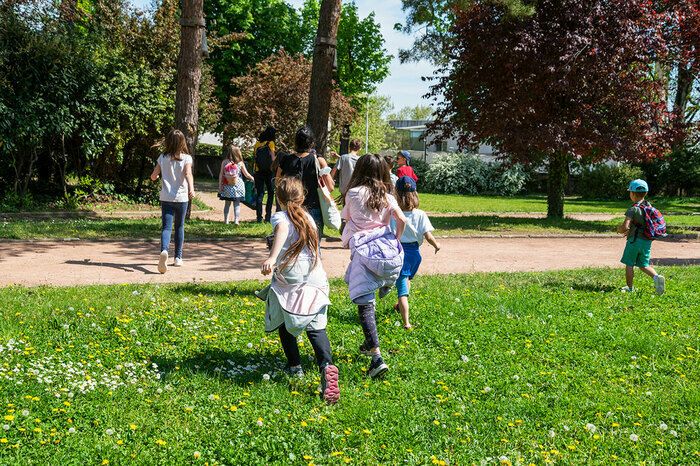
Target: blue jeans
<point>173,212</point>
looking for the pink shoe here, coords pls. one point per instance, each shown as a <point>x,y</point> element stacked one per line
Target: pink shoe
<point>329,384</point>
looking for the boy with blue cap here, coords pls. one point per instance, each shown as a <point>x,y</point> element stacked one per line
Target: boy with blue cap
<point>403,160</point>
<point>418,227</point>
<point>638,248</point>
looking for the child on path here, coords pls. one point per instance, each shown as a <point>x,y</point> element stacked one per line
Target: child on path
<point>264,155</point>
<point>231,185</point>
<point>418,226</point>
<point>638,248</point>
<point>177,189</point>
<point>403,160</point>
<point>297,298</point>
<point>346,166</point>
<point>376,255</point>
<point>390,162</point>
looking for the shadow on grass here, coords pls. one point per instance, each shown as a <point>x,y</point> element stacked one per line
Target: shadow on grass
<point>212,289</point>
<point>674,261</point>
<point>516,224</point>
<point>241,368</point>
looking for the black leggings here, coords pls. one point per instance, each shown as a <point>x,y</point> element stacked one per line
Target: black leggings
<point>368,322</point>
<point>263,182</point>
<point>319,342</point>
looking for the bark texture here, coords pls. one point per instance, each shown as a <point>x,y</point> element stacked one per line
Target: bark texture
<point>189,71</point>
<point>557,178</point>
<point>322,73</point>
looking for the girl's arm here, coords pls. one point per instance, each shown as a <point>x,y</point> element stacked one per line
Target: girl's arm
<point>156,172</point>
<point>432,241</point>
<point>190,179</point>
<point>245,172</point>
<point>400,221</point>
<point>221,175</point>
<point>281,231</point>
<point>327,180</point>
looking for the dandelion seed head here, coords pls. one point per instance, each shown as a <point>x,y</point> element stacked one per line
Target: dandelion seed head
<point>663,426</point>
<point>591,428</point>
<point>634,437</point>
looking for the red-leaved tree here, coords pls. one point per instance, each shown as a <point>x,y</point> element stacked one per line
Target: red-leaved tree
<point>570,80</point>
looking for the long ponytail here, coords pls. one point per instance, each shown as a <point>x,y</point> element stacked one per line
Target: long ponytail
<point>290,193</point>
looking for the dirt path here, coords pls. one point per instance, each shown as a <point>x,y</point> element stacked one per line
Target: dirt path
<point>78,263</point>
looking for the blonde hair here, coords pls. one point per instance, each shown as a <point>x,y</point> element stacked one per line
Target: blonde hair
<point>233,153</point>
<point>175,144</point>
<point>290,193</point>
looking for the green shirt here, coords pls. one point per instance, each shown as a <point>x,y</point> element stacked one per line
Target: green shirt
<point>637,216</point>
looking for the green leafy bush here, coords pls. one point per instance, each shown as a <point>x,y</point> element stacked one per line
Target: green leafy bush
<point>603,181</point>
<point>469,174</point>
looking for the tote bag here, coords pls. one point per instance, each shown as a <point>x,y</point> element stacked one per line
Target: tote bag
<point>329,210</point>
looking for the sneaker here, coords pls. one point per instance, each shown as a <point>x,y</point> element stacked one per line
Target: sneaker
<point>330,391</point>
<point>178,262</point>
<point>365,349</point>
<point>627,289</point>
<point>296,371</point>
<point>383,291</point>
<point>660,283</point>
<point>377,368</point>
<point>163,262</point>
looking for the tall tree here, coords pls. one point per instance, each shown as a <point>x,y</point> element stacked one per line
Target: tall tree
<point>419,112</point>
<point>189,70</point>
<point>429,23</point>
<point>568,81</point>
<point>276,92</point>
<point>321,88</point>
<point>245,32</point>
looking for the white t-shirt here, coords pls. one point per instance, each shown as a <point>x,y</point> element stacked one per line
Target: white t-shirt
<point>346,166</point>
<point>417,225</point>
<point>174,186</point>
<point>281,217</point>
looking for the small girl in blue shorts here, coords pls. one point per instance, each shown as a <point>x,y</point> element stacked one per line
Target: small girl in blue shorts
<point>418,227</point>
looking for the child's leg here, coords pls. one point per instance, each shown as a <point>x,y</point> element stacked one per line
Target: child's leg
<point>227,209</point>
<point>322,347</point>
<point>649,270</point>
<point>236,211</point>
<point>180,214</point>
<point>290,347</point>
<point>365,310</point>
<point>403,286</point>
<point>629,276</point>
<point>167,216</point>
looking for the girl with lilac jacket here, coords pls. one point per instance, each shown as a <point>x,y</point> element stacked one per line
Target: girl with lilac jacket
<point>376,256</point>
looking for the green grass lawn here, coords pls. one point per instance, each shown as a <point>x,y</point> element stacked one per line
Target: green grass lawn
<point>149,228</point>
<point>527,368</point>
<point>455,203</point>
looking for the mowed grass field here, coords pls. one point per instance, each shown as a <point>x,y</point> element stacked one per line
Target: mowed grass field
<point>528,368</point>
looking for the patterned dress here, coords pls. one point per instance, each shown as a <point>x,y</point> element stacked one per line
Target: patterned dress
<point>234,192</point>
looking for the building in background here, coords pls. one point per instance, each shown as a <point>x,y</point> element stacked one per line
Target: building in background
<point>413,139</point>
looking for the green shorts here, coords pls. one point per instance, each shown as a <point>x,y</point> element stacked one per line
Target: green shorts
<point>637,253</point>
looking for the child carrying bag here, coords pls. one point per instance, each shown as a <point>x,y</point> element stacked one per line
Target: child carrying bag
<point>329,210</point>
<point>654,223</point>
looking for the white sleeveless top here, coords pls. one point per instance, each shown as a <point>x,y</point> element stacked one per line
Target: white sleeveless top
<point>174,186</point>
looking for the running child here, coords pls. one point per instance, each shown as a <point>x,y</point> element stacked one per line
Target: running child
<point>418,227</point>
<point>636,226</point>
<point>403,160</point>
<point>376,255</point>
<point>297,298</point>
<point>231,185</point>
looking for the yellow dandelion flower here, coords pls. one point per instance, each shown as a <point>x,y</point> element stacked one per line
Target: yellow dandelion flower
<point>120,442</point>
<point>3,440</point>
<point>9,417</point>
<point>308,457</point>
<point>366,431</point>
<point>161,442</point>
<point>132,426</point>
<point>105,462</point>
<point>436,422</point>
<point>347,460</point>
<point>337,453</point>
<point>616,424</point>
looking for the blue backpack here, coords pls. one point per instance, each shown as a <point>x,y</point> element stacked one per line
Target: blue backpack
<point>654,223</point>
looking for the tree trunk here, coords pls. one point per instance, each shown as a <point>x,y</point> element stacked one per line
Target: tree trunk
<point>557,177</point>
<point>189,73</point>
<point>322,73</point>
<point>684,87</point>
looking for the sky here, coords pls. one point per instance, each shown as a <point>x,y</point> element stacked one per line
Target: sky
<point>404,85</point>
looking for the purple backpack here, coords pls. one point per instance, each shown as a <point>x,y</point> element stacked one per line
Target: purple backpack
<point>654,223</point>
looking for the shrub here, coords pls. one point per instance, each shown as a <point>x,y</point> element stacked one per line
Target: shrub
<point>603,181</point>
<point>209,150</point>
<point>676,175</point>
<point>469,174</point>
